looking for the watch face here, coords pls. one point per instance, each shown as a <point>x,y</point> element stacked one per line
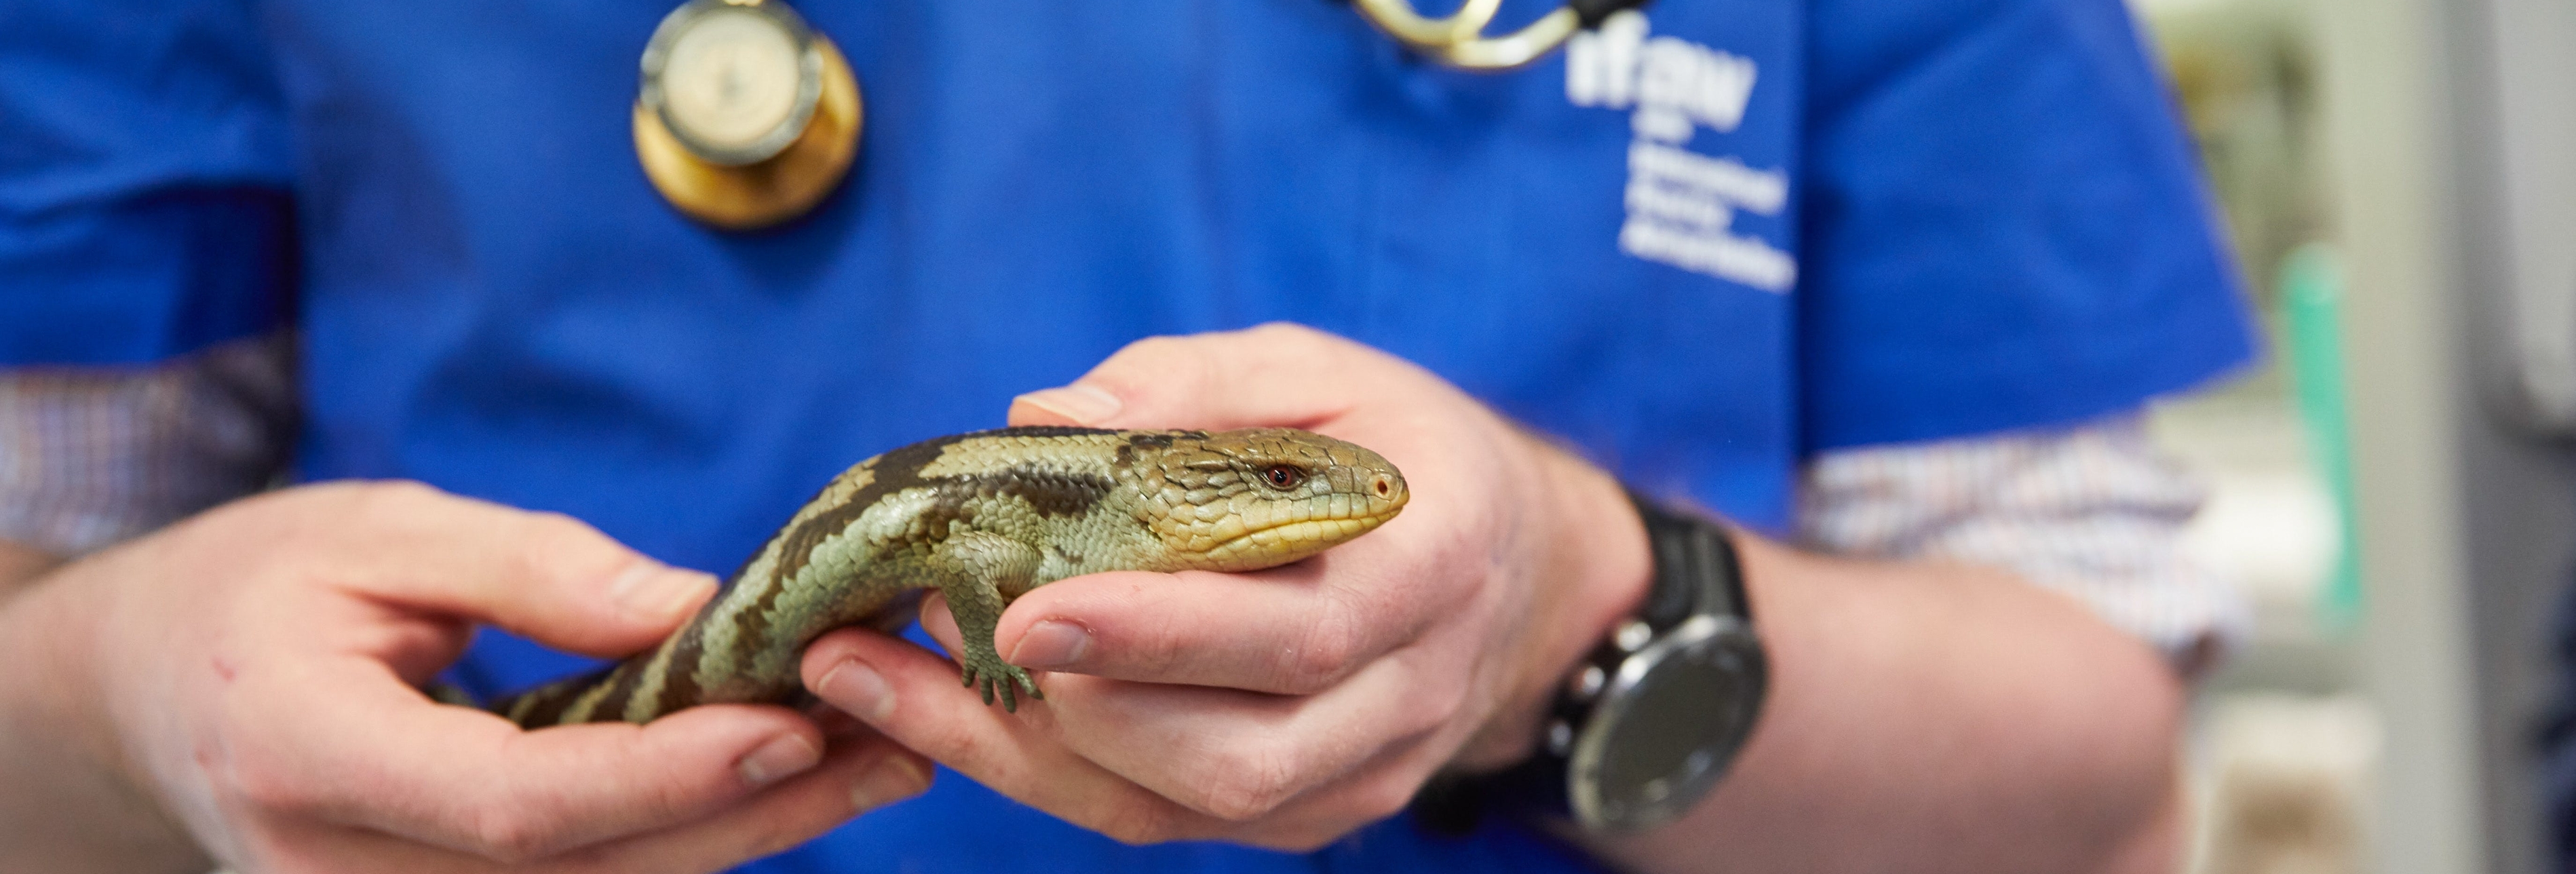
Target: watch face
<point>1671,723</point>
<point>734,82</point>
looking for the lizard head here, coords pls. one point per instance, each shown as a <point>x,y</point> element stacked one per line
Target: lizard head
<point>1257,497</point>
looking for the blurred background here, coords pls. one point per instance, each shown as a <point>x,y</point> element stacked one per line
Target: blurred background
<point>2393,485</point>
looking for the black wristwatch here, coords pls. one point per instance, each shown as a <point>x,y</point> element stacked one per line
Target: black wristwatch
<point>1653,717</point>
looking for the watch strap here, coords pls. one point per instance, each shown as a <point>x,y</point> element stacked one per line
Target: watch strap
<point>1696,569</point>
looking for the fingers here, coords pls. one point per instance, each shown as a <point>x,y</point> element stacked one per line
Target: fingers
<point>1232,755</point>
<point>376,756</point>
<point>856,776</point>
<point>309,728</point>
<point>1239,756</point>
<point>1276,374</point>
<point>1291,631</point>
<point>913,697</point>
<point>542,575</point>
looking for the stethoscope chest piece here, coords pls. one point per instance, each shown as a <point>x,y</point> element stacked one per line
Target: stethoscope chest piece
<point>746,117</point>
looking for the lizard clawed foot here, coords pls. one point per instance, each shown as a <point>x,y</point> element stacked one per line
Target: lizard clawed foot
<point>1000,676</point>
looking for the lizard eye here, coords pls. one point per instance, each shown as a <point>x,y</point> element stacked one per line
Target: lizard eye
<point>1283,477</point>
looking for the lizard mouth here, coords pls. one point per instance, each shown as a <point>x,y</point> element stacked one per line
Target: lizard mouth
<point>1288,541</point>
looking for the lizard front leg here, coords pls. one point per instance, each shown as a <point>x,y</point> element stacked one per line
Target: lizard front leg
<point>974,569</point>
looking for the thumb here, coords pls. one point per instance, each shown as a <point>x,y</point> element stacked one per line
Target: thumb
<point>545,576</point>
<point>1277,374</point>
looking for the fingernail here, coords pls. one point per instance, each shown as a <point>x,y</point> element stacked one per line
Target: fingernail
<point>858,690</point>
<point>1080,403</point>
<point>654,591</point>
<point>783,756</point>
<point>899,778</point>
<point>1051,644</point>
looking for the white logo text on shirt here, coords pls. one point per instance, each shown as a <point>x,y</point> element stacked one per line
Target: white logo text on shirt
<point>1681,204</point>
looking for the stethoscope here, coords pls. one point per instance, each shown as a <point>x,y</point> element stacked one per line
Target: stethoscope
<point>747,117</point>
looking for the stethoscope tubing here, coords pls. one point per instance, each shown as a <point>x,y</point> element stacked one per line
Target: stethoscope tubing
<point>1458,39</point>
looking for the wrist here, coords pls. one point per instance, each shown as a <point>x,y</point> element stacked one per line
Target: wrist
<point>50,699</point>
<point>74,805</point>
<point>20,565</point>
<point>1593,573</point>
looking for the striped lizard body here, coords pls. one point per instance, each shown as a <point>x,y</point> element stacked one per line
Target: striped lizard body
<point>983,518</point>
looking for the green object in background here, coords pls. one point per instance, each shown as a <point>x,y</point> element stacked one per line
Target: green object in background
<point>2312,295</point>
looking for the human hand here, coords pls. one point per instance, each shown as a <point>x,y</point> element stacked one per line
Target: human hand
<point>1288,707</point>
<point>253,673</point>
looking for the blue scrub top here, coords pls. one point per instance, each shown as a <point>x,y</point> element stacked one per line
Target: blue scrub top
<point>1702,244</point>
